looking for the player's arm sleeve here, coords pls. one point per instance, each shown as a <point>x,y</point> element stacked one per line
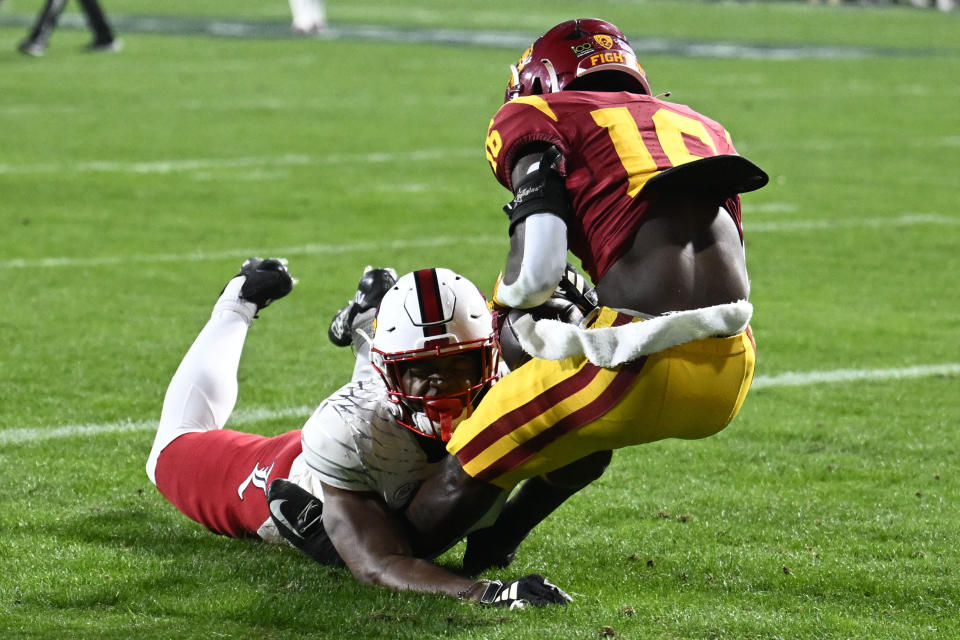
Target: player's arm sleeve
<point>535,264</point>
<point>538,239</point>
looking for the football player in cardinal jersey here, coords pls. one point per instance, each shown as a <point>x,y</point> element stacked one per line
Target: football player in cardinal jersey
<point>335,488</point>
<point>645,193</point>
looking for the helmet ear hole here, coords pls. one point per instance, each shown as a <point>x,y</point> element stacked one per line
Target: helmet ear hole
<point>537,88</point>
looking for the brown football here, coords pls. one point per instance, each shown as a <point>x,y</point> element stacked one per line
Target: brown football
<point>553,309</point>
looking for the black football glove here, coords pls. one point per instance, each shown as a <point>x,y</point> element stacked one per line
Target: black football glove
<point>529,590</point>
<point>297,514</point>
<point>574,287</point>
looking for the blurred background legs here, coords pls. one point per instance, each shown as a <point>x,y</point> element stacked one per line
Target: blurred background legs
<point>39,38</point>
<point>36,42</point>
<point>309,16</point>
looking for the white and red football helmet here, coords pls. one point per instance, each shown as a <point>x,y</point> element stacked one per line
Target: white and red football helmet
<point>570,51</point>
<point>428,314</point>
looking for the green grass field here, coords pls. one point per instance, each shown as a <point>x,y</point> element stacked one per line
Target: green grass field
<point>133,185</point>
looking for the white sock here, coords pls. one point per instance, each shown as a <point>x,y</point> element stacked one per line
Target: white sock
<point>203,391</point>
<point>230,300</point>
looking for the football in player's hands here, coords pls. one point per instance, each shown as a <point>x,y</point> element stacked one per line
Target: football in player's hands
<point>553,309</point>
<point>529,590</point>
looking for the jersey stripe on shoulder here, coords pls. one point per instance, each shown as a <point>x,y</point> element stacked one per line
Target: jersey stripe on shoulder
<point>538,103</point>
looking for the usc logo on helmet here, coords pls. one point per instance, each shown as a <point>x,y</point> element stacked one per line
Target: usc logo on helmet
<point>603,40</point>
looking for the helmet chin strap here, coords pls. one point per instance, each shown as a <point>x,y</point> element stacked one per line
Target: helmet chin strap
<point>554,83</point>
<point>444,411</point>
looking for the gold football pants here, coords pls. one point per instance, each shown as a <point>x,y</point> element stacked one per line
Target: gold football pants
<point>548,413</point>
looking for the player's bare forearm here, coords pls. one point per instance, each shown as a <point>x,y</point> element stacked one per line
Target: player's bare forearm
<point>445,507</point>
<point>376,549</point>
<point>416,574</point>
<point>372,544</point>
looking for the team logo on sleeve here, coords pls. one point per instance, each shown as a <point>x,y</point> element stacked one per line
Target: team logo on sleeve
<point>603,40</point>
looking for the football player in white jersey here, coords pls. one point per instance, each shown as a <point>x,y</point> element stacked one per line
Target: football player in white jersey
<point>334,489</point>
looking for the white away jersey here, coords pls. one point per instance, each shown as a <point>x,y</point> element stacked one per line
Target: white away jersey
<point>353,442</point>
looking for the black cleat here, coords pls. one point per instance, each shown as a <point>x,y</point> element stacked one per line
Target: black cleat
<point>266,281</point>
<point>373,285</point>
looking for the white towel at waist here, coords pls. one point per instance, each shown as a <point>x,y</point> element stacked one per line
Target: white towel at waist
<point>610,346</point>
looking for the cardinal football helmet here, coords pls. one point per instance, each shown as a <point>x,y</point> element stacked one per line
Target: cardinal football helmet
<point>572,50</point>
<point>432,313</point>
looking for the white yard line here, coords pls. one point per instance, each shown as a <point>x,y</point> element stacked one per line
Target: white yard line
<point>231,254</point>
<point>240,417</point>
<point>802,379</point>
<point>773,207</point>
<point>514,40</point>
<point>905,220</point>
<point>183,165</point>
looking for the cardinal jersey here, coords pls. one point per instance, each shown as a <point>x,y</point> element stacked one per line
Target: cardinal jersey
<point>613,144</point>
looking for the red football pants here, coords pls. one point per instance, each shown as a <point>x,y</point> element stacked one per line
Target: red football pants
<point>219,478</point>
